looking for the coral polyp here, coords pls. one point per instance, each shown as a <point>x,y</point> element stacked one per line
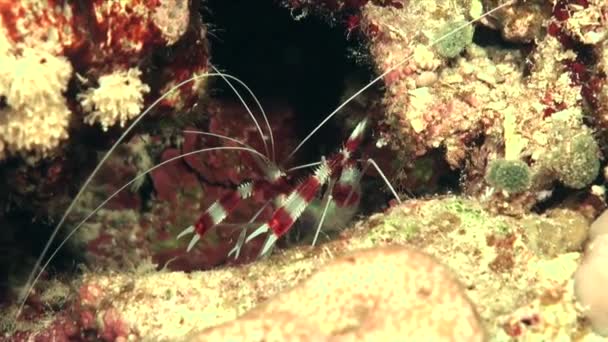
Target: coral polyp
<point>118,98</point>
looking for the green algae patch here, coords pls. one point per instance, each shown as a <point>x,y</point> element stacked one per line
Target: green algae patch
<point>454,37</point>
<point>416,218</point>
<point>394,227</point>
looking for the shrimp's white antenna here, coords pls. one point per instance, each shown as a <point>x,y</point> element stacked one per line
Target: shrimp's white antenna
<point>303,166</point>
<point>257,125</point>
<point>81,223</point>
<point>188,131</point>
<point>29,284</point>
<point>372,82</point>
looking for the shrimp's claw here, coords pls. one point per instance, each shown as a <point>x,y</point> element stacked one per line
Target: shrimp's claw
<point>195,238</point>
<point>270,241</point>
<point>261,230</point>
<point>185,232</point>
<point>236,250</point>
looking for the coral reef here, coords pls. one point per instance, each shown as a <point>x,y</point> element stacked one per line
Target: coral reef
<point>518,290</point>
<point>68,66</point>
<point>508,115</point>
<point>481,102</point>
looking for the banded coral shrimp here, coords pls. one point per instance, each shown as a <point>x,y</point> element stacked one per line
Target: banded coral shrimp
<point>41,264</point>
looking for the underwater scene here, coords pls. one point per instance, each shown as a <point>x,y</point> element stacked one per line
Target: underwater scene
<point>303,170</point>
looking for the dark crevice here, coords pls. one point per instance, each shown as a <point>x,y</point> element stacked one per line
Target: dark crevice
<point>303,63</point>
<point>485,36</point>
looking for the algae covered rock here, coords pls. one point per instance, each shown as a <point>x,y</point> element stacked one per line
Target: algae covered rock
<point>457,37</point>
<point>578,163</point>
<point>381,294</point>
<point>448,254</point>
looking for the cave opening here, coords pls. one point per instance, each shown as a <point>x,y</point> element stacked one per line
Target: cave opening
<point>303,63</point>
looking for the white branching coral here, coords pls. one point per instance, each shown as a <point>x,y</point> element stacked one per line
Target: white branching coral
<point>35,116</point>
<point>118,98</point>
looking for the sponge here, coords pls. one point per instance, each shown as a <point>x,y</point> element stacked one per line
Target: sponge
<point>457,37</point>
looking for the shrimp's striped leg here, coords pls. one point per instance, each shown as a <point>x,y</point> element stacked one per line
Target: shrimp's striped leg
<point>236,250</point>
<point>217,212</point>
<point>285,216</point>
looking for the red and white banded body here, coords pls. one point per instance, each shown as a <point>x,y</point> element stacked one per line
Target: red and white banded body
<point>339,167</point>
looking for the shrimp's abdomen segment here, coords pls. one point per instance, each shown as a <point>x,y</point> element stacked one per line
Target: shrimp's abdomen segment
<point>280,222</point>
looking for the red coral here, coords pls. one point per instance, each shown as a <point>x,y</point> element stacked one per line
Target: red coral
<point>90,294</point>
<point>580,73</point>
<point>172,177</point>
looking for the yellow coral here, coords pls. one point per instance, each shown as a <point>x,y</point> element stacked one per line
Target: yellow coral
<point>118,98</point>
<point>36,115</point>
